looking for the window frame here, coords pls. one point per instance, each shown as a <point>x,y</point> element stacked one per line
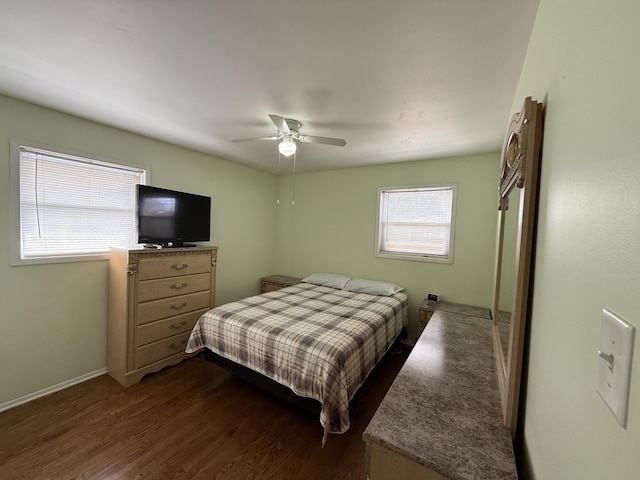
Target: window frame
<point>15,234</point>
<point>419,257</point>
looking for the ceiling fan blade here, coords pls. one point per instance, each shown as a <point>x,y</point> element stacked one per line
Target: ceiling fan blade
<point>280,123</point>
<point>254,138</point>
<point>338,142</point>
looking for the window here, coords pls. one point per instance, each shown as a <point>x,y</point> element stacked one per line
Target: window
<point>68,208</point>
<point>416,223</point>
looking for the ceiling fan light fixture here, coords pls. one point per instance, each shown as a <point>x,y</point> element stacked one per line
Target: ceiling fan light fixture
<point>287,147</point>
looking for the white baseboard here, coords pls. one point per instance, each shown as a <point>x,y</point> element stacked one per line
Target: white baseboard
<point>52,389</point>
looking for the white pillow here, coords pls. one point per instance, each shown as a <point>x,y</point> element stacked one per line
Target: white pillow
<point>327,280</point>
<point>373,287</point>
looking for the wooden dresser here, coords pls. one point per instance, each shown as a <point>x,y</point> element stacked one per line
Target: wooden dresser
<point>155,299</point>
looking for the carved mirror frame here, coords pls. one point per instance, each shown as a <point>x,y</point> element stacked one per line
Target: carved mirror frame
<point>519,175</point>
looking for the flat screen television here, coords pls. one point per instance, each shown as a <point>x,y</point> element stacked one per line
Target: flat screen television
<point>168,218</point>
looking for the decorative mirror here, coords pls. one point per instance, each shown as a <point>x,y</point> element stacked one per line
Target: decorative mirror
<point>517,201</point>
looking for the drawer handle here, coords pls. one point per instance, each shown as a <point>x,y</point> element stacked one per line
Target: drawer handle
<point>180,345</point>
<point>178,307</point>
<point>177,266</point>
<point>177,326</point>
<point>175,286</point>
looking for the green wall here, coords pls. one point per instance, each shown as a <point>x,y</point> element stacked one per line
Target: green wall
<point>331,227</point>
<point>582,62</point>
<point>54,316</point>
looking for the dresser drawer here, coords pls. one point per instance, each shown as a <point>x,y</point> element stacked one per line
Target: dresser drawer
<point>174,286</point>
<point>271,287</point>
<point>170,307</point>
<point>173,266</point>
<point>158,350</point>
<point>154,331</point>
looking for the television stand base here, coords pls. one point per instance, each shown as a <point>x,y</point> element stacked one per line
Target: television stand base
<point>169,245</point>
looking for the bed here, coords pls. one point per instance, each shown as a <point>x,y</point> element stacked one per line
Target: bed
<point>319,338</point>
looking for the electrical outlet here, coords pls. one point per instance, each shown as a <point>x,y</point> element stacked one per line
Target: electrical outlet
<point>434,297</point>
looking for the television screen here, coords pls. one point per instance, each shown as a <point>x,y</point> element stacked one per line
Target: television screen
<point>170,218</point>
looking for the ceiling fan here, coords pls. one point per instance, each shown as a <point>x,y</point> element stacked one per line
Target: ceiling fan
<point>289,133</point>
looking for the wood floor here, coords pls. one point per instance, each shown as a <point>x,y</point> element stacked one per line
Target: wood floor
<point>191,421</point>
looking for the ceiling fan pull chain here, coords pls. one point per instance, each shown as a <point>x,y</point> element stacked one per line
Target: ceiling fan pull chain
<point>279,158</point>
<point>293,194</point>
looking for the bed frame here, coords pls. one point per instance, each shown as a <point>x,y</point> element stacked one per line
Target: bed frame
<point>267,384</point>
<point>309,405</point>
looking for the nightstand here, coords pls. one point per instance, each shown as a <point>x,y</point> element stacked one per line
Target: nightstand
<point>276,282</point>
<point>424,312</point>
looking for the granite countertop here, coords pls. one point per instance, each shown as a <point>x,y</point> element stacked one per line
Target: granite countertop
<point>467,310</point>
<point>443,410</point>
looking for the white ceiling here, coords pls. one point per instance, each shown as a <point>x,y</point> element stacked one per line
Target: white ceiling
<point>399,80</point>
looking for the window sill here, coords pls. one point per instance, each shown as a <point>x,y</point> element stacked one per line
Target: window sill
<point>414,257</point>
<point>59,259</point>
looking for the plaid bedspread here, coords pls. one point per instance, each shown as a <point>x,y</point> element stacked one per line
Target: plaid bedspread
<point>320,342</point>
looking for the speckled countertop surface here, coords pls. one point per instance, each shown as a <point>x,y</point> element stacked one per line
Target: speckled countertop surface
<point>443,409</point>
<point>468,310</point>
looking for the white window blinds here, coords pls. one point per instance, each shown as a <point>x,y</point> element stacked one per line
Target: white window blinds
<point>73,206</point>
<point>416,221</point>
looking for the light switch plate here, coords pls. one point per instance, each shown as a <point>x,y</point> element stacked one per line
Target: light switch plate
<point>614,364</point>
